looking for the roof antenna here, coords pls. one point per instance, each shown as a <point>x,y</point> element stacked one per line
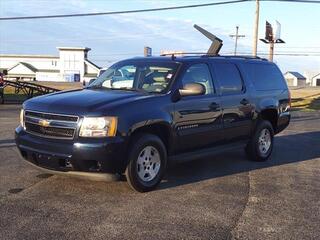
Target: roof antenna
<point>216,42</point>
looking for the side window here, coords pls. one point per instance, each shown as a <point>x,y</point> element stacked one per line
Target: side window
<point>265,76</point>
<point>229,77</point>
<point>199,73</point>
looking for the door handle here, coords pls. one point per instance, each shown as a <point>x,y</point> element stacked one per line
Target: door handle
<point>244,101</point>
<point>214,106</point>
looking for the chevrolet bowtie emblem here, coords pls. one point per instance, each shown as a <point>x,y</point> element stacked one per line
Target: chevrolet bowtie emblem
<point>44,123</point>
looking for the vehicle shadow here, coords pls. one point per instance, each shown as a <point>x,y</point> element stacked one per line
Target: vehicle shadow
<point>289,148</point>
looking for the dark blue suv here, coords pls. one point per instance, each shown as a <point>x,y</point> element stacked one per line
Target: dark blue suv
<point>143,113</point>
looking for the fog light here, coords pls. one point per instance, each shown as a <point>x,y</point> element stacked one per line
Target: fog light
<point>68,164</point>
<point>99,166</point>
<point>94,166</point>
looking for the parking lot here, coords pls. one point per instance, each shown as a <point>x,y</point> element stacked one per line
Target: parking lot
<point>222,197</point>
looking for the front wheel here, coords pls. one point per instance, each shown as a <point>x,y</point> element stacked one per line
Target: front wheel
<point>261,144</point>
<point>147,162</point>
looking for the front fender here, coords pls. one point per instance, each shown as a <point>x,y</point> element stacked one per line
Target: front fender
<point>150,122</point>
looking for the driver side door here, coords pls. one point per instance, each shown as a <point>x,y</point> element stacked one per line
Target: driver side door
<point>198,119</point>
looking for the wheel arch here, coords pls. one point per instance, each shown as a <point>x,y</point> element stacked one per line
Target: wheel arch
<point>160,128</point>
<point>271,115</point>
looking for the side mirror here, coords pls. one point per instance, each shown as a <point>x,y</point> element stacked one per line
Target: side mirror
<point>92,80</point>
<point>192,89</point>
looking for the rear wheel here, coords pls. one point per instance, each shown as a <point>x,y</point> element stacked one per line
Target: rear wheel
<point>1,96</point>
<point>147,162</point>
<point>261,144</point>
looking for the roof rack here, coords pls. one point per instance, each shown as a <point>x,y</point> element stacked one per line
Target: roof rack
<point>243,57</point>
<point>183,54</point>
<point>202,54</point>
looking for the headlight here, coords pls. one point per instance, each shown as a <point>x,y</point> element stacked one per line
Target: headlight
<point>98,127</point>
<point>22,118</point>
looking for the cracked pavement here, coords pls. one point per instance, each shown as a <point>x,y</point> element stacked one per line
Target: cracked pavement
<point>221,197</point>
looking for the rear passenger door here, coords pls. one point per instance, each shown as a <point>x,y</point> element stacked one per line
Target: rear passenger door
<point>237,110</point>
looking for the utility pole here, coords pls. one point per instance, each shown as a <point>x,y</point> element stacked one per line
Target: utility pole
<point>236,36</point>
<point>271,50</point>
<point>256,30</point>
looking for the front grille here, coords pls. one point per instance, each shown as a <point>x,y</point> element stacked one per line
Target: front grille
<point>51,125</point>
<point>50,131</point>
<point>49,116</point>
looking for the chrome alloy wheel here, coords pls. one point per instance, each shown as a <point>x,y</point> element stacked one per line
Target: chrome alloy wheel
<point>264,141</point>
<point>148,164</point>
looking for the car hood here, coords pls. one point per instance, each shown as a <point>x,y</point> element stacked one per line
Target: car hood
<point>81,102</point>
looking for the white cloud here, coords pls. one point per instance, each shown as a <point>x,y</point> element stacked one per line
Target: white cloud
<point>109,35</point>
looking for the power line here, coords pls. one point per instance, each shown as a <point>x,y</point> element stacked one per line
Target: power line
<point>291,1</point>
<point>148,10</point>
<point>100,56</point>
<point>286,54</point>
<point>112,54</point>
<point>124,12</point>
<point>308,47</point>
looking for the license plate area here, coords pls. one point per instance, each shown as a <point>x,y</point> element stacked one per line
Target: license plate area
<point>53,162</point>
<point>47,161</point>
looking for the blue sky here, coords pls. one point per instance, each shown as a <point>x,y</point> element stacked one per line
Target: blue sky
<point>117,37</point>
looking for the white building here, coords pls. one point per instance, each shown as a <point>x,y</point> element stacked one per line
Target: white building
<point>313,78</point>
<point>295,79</point>
<point>72,64</point>
<point>316,80</point>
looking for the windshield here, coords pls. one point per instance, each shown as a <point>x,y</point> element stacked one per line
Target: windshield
<point>141,76</point>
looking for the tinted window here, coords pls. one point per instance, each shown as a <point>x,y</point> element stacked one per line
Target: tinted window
<point>229,77</point>
<point>150,77</point>
<point>265,76</point>
<point>199,73</point>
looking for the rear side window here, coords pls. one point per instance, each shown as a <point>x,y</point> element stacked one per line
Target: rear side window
<point>265,76</point>
<point>229,78</point>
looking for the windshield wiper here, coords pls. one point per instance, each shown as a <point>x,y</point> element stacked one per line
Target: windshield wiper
<point>93,87</point>
<point>120,88</point>
<point>101,87</point>
<point>130,89</point>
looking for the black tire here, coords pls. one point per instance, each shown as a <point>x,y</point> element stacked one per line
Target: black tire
<point>1,97</point>
<point>138,145</point>
<point>253,150</point>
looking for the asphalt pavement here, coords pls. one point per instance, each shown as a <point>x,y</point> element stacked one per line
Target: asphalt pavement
<point>221,197</point>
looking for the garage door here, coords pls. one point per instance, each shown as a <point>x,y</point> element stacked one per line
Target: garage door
<point>318,82</point>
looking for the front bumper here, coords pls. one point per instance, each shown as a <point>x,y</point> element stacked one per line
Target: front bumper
<point>105,177</point>
<point>82,155</point>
